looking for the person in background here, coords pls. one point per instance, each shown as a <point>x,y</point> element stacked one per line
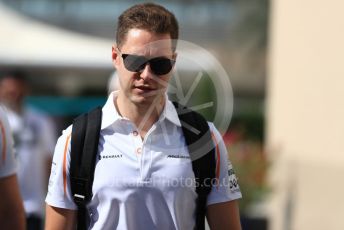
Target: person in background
<point>34,139</point>
<point>142,150</point>
<point>113,83</point>
<point>12,214</point>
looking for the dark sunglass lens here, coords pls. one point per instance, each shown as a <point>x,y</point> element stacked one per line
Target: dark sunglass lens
<point>161,65</point>
<point>134,63</point>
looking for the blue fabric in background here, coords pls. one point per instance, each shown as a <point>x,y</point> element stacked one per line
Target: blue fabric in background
<point>64,106</point>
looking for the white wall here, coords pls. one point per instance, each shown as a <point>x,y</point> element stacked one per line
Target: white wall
<point>305,116</point>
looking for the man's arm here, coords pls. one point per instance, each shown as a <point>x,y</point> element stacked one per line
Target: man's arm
<point>224,216</point>
<point>59,218</point>
<point>12,214</point>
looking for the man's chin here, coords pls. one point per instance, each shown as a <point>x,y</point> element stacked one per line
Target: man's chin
<point>146,99</point>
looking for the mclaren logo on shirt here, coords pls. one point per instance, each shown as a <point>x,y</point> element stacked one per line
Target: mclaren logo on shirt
<point>178,156</point>
<point>110,156</point>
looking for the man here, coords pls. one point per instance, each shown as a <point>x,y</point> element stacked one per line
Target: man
<point>11,207</point>
<point>142,158</point>
<point>34,139</point>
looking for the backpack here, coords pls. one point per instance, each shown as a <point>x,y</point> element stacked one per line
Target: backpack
<point>84,148</point>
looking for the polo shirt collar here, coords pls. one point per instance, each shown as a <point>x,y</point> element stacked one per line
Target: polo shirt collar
<point>111,115</point>
<point>170,113</point>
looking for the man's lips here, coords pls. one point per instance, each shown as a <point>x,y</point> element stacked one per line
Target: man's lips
<point>143,88</point>
<point>146,90</point>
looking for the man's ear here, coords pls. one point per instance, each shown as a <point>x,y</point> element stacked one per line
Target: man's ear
<point>174,56</point>
<point>114,52</point>
<point>114,56</point>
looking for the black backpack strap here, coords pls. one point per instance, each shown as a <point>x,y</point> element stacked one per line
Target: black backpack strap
<point>84,147</point>
<point>202,153</point>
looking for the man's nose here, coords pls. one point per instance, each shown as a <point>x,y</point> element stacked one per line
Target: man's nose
<point>147,73</point>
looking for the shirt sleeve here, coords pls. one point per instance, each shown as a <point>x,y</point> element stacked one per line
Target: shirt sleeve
<point>59,192</point>
<point>226,186</point>
<point>7,157</point>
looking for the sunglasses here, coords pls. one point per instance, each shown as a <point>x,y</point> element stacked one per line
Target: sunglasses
<point>158,65</point>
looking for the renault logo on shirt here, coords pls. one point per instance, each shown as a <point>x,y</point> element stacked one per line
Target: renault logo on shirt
<point>109,156</point>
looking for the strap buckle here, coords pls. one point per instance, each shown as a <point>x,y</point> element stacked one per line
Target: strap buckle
<point>80,199</point>
<point>79,192</point>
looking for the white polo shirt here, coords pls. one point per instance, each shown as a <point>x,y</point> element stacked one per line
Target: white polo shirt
<point>140,184</point>
<point>7,160</point>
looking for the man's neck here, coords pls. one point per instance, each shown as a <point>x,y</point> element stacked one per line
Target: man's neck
<point>142,115</point>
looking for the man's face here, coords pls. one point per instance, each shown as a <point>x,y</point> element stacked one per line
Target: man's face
<point>12,92</point>
<point>143,87</point>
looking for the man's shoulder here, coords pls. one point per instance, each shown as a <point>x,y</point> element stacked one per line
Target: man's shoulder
<point>66,132</point>
<point>212,126</point>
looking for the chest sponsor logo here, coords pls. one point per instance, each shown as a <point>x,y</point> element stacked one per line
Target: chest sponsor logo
<point>176,156</point>
<point>110,156</point>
